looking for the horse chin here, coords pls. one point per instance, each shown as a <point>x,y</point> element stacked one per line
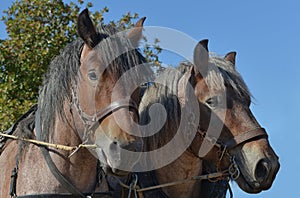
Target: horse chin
<point>118,172</point>
<point>107,165</point>
<point>114,172</point>
<point>246,186</point>
<point>251,187</point>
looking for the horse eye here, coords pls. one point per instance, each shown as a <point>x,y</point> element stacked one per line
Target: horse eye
<point>92,75</point>
<point>212,102</point>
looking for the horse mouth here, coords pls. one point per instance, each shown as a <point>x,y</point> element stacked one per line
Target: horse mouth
<point>248,187</point>
<point>107,165</point>
<point>258,180</point>
<point>114,172</point>
<point>252,187</point>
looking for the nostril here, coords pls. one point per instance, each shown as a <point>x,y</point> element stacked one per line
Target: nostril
<point>262,171</point>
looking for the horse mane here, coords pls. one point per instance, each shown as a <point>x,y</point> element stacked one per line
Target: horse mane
<point>165,93</point>
<point>63,72</point>
<point>57,85</point>
<point>221,74</point>
<point>226,73</point>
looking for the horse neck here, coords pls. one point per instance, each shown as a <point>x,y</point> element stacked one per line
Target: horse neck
<point>81,168</point>
<point>185,167</point>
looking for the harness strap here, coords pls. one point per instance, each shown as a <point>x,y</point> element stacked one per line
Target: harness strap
<point>249,135</point>
<point>68,195</point>
<point>92,120</point>
<point>54,170</point>
<point>13,182</point>
<point>123,103</point>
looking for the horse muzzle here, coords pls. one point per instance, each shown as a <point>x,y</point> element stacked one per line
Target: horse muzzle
<point>120,158</point>
<point>259,165</point>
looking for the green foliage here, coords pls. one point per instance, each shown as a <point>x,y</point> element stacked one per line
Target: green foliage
<point>37,30</point>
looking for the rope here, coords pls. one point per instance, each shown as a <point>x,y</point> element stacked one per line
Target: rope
<point>57,146</point>
<point>198,177</point>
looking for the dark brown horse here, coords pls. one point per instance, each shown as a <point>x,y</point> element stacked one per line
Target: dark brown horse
<point>208,104</point>
<point>76,106</point>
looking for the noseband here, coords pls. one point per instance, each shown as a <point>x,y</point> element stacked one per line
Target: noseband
<point>236,140</point>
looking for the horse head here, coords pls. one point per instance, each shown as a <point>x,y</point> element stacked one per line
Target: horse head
<point>229,137</point>
<point>107,109</point>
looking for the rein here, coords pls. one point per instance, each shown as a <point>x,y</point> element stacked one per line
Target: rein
<point>133,188</point>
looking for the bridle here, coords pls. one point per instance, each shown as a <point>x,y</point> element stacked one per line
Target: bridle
<point>225,146</point>
<point>236,140</point>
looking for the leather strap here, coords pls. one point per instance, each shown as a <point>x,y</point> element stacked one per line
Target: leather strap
<point>106,111</point>
<point>54,170</point>
<point>124,103</point>
<point>92,120</point>
<point>68,195</point>
<point>246,136</point>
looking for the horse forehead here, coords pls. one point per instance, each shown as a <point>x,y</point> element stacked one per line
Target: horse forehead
<point>93,57</point>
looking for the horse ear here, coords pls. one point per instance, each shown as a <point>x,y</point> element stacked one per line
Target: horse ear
<point>86,29</point>
<point>230,57</point>
<point>201,57</point>
<point>135,34</point>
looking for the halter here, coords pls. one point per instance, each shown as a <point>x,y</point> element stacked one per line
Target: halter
<point>227,145</point>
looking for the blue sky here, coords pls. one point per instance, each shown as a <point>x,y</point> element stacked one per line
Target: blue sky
<point>266,36</point>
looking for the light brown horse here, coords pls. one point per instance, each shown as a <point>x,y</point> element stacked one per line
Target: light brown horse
<point>76,106</point>
<point>224,134</point>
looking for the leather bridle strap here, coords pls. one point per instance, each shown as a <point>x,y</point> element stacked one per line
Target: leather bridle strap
<point>91,120</point>
<point>123,103</point>
<point>244,137</point>
<point>54,170</point>
<point>237,140</point>
<point>68,195</point>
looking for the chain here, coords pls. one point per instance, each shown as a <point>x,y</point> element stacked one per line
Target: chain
<point>233,169</point>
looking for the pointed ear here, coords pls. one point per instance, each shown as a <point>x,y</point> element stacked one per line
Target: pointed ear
<point>201,57</point>
<point>86,29</point>
<point>231,57</point>
<point>136,33</point>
